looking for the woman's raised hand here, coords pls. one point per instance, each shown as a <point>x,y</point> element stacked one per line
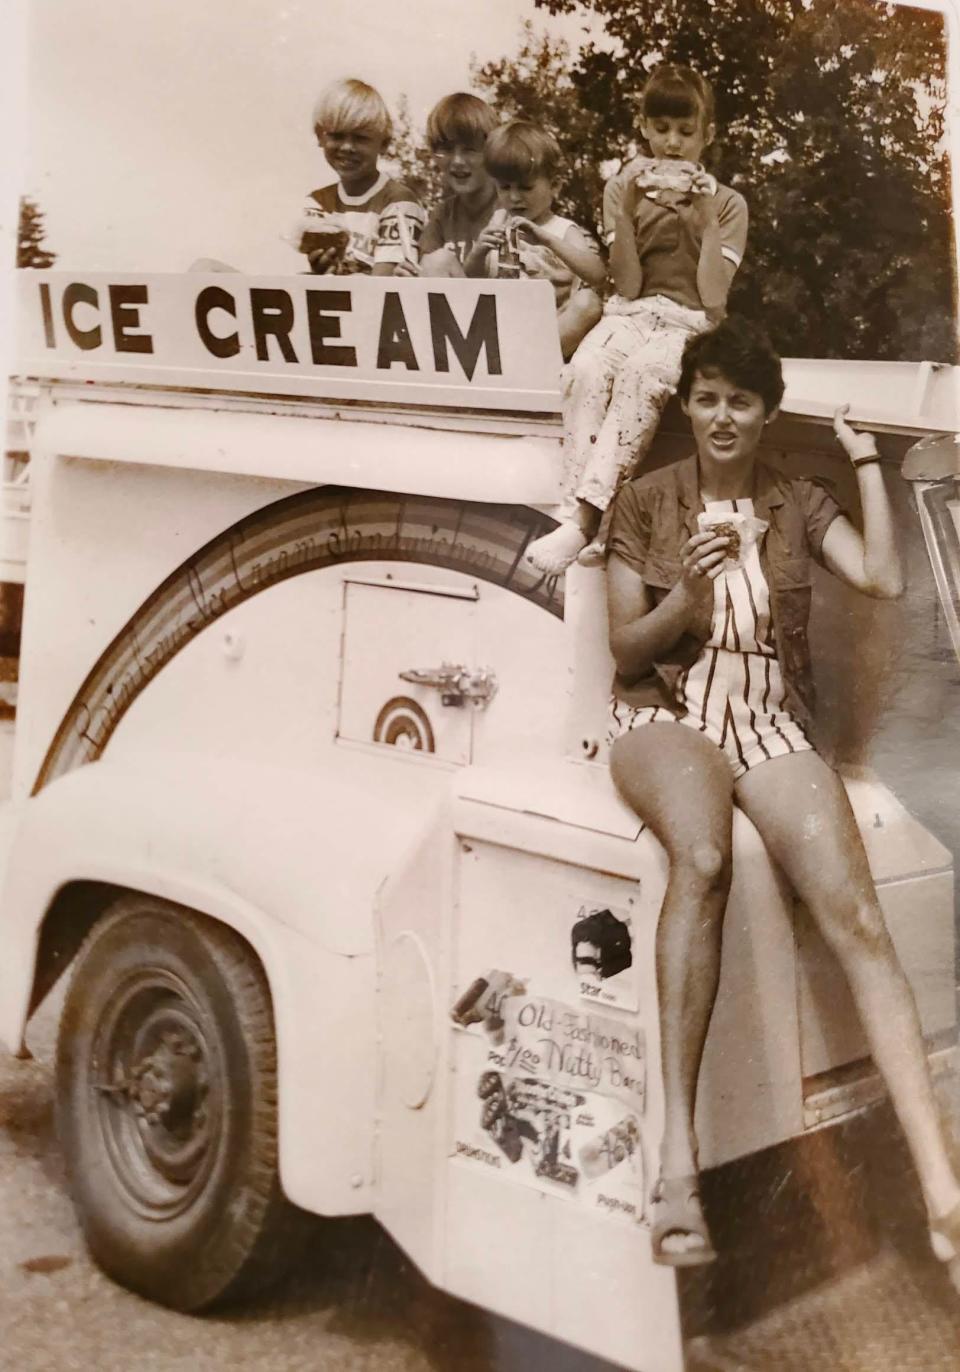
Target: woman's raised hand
<point>856,445</point>
<point>701,562</point>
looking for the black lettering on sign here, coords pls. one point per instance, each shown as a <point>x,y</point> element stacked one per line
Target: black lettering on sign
<point>481,333</point>
<point>49,337</point>
<point>125,316</point>
<point>272,317</point>
<point>322,309</point>
<point>395,344</point>
<point>77,293</point>
<point>216,298</point>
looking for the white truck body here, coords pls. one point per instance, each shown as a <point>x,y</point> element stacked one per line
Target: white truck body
<point>232,561</point>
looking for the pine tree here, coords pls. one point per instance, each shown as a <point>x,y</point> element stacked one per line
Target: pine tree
<point>30,235</point>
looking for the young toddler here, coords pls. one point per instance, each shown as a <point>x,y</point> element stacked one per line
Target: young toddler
<point>366,221</point>
<point>676,239</point>
<point>524,161</point>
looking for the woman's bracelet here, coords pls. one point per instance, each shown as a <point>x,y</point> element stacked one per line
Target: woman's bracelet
<point>864,461</point>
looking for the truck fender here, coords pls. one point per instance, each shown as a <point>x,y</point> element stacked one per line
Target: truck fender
<point>93,835</point>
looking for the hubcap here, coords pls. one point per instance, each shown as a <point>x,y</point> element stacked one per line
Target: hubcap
<point>158,1094</point>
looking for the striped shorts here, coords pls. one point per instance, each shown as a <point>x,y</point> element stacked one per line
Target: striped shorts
<point>731,698</point>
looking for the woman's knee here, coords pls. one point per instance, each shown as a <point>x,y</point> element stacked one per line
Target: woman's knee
<point>857,928</point>
<point>705,863</point>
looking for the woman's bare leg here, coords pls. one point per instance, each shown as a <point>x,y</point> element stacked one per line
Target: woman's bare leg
<point>681,785</point>
<point>801,810</point>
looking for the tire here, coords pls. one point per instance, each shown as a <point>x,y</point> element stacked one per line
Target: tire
<point>166,1095</point>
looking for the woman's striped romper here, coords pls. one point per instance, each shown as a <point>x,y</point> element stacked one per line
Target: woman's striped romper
<point>734,691</point>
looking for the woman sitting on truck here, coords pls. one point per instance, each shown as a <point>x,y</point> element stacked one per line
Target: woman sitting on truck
<point>709,593</point>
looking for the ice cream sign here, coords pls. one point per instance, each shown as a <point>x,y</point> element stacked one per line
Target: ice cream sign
<point>566,1045</point>
<point>485,344</point>
<point>572,1047</point>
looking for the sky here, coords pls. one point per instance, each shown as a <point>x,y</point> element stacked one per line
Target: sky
<point>158,131</point>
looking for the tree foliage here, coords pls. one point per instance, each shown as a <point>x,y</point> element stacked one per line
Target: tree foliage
<point>830,118</point>
<point>30,235</point>
<point>411,158</point>
<point>542,84</point>
<point>830,121</point>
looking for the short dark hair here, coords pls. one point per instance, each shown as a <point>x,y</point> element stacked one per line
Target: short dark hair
<point>462,119</point>
<point>520,149</point>
<point>739,351</point>
<point>675,92</point>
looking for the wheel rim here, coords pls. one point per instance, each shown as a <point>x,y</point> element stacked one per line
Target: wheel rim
<point>158,1092</point>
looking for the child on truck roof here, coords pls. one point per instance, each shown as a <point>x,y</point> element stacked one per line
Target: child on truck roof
<point>366,221</point>
<point>676,239</point>
<point>526,236</point>
<point>457,129</point>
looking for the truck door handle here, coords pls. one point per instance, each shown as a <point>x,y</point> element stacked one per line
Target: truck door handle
<point>457,684</point>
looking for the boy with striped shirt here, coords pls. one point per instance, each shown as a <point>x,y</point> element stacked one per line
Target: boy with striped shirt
<point>366,222</point>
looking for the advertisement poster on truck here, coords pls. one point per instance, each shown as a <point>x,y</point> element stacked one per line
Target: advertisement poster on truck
<point>553,1095</point>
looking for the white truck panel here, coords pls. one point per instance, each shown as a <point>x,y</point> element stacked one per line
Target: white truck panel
<point>310,449</point>
<point>240,593</point>
<point>106,536</point>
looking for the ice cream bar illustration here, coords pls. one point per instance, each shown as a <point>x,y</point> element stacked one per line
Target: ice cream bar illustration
<point>603,1153</point>
<point>522,1111</point>
<point>482,1000</point>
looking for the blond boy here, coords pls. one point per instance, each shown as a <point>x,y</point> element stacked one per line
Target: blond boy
<point>366,221</point>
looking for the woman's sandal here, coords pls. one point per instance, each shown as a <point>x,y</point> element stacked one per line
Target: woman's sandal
<point>677,1213</point>
<point>945,1242</point>
<point>945,1235</point>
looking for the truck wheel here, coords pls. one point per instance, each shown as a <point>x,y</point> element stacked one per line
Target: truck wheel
<point>167,1106</point>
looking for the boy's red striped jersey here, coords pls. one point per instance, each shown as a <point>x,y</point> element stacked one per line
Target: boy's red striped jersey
<point>385,224</point>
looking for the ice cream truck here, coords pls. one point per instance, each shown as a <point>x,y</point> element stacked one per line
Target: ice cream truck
<point>310,799</point>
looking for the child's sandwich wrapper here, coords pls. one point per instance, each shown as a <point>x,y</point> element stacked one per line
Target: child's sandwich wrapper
<point>317,229</point>
<point>743,531</point>
<point>664,174</point>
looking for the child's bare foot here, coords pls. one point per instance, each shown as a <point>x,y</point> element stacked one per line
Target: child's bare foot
<point>593,555</point>
<point>554,552</point>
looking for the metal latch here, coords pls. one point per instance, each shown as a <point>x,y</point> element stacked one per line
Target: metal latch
<point>457,684</point>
